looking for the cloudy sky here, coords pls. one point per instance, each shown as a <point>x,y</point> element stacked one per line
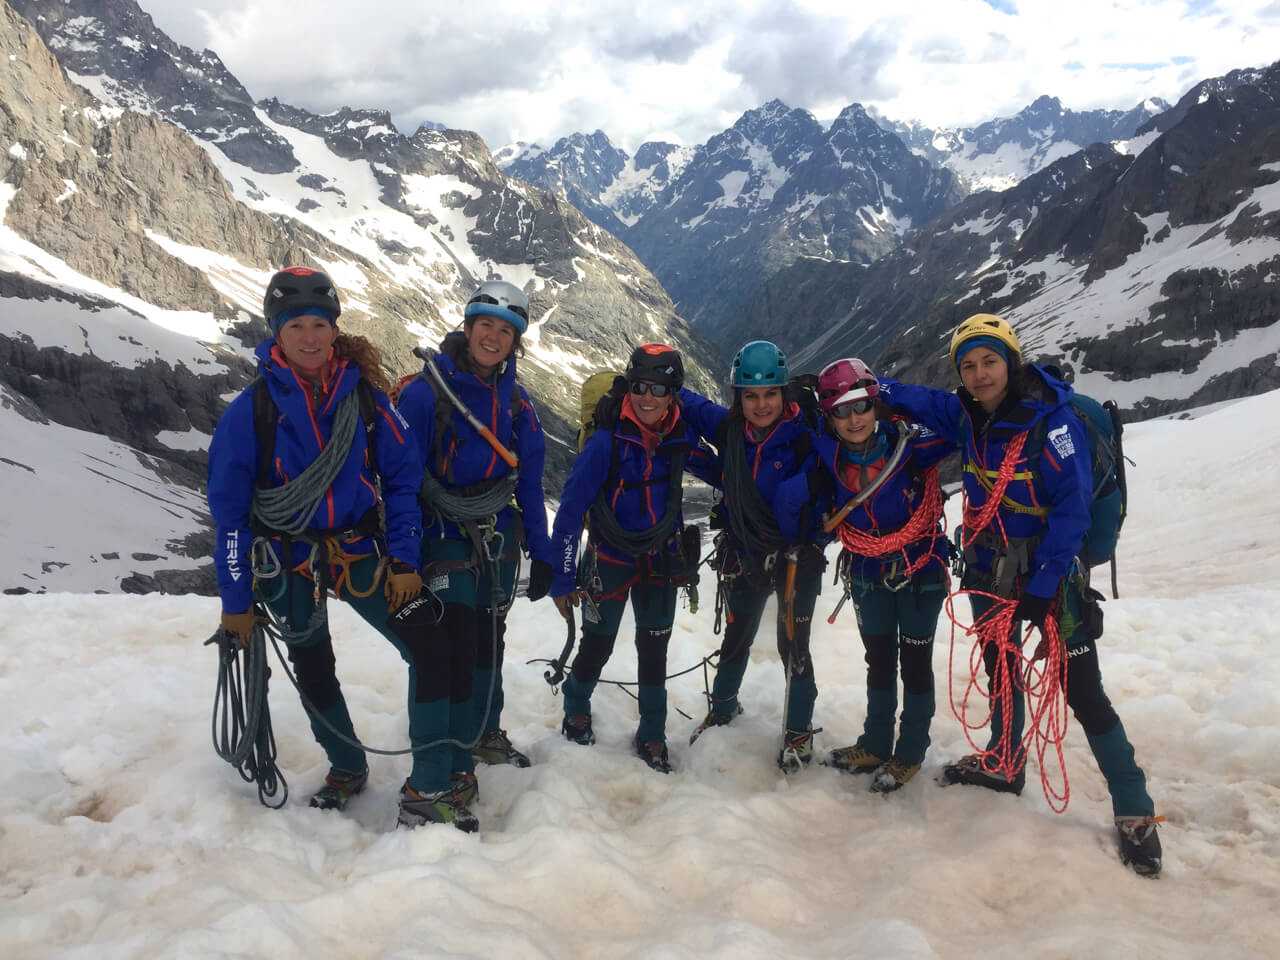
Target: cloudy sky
<point>643,70</point>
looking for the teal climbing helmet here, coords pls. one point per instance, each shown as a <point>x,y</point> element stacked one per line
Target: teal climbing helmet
<point>759,364</point>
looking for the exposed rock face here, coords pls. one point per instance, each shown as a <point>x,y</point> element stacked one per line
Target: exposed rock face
<point>147,72</point>
<point>582,168</point>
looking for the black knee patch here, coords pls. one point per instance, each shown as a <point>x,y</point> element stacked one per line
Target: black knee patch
<point>444,655</point>
<point>593,653</point>
<point>316,671</point>
<point>917,663</point>
<point>882,664</point>
<point>651,656</point>
<point>1085,696</point>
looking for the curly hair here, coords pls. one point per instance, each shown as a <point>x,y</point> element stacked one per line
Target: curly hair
<point>366,356</point>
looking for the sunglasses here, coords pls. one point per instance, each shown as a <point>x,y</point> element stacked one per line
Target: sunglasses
<point>641,387</point>
<point>520,312</point>
<point>842,411</point>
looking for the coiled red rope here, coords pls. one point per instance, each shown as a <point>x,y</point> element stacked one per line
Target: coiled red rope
<point>1041,678</point>
<point>923,523</point>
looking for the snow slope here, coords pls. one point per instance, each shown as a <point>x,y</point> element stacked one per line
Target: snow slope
<point>124,836</point>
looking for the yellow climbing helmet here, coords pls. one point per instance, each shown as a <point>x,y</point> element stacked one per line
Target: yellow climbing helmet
<point>985,325</point>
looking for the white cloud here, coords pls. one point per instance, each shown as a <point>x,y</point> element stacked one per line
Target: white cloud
<point>646,70</point>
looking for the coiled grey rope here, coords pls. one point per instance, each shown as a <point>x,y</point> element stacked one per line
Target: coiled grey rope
<point>452,505</point>
<point>290,508</point>
<point>749,516</point>
<point>641,543</point>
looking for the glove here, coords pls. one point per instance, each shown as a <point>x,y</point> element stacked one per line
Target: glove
<point>540,577</point>
<point>402,584</point>
<point>565,602</point>
<point>240,625</point>
<point>1032,609</point>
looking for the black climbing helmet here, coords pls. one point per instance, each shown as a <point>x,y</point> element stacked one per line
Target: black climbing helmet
<point>656,363</point>
<point>295,287</point>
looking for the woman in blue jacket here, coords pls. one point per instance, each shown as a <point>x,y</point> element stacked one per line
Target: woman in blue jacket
<point>893,563</point>
<point>1025,554</point>
<point>315,384</point>
<point>628,480</point>
<point>473,536</point>
<point>763,440</point>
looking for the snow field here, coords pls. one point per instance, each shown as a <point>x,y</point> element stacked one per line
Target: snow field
<point>124,836</point>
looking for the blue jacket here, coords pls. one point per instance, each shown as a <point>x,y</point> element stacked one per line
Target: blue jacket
<point>304,426</point>
<point>886,510</point>
<point>468,457</point>
<point>1062,483</point>
<point>638,494</point>
<point>773,459</point>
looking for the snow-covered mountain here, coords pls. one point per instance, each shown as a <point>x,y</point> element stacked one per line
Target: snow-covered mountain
<point>999,153</point>
<point>133,252</point>
<point>775,186</point>
<point>611,187</point>
<point>1154,276</point>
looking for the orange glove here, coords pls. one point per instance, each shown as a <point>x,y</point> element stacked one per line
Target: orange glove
<point>403,583</point>
<point>240,625</point>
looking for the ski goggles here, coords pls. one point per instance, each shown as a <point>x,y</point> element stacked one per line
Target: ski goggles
<point>842,411</point>
<point>641,387</point>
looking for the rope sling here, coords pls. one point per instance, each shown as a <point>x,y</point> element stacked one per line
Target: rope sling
<point>750,519</point>
<point>641,543</point>
<point>291,508</point>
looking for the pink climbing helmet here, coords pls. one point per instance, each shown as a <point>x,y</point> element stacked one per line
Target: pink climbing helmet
<point>844,382</point>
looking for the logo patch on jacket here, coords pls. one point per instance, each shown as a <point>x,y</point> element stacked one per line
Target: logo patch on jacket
<point>1061,440</point>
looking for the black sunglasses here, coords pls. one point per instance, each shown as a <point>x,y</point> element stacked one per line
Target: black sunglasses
<point>841,411</point>
<point>520,312</point>
<point>641,387</point>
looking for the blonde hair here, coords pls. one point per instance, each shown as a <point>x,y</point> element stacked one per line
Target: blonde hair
<point>366,356</point>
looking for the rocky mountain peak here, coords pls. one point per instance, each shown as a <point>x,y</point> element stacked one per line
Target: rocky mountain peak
<point>775,126</point>
<point>113,48</point>
<point>652,152</point>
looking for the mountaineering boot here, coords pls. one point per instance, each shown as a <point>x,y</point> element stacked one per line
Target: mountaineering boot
<point>969,770</point>
<point>578,729</point>
<point>715,719</point>
<point>339,787</point>
<point>1140,844</point>
<point>444,806</point>
<point>653,753</point>
<point>893,775</point>
<point>854,759</point>
<point>797,749</point>
<point>465,787</point>
<point>495,748</point>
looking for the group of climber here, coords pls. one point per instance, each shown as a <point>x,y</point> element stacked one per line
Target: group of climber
<point>435,498</point>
